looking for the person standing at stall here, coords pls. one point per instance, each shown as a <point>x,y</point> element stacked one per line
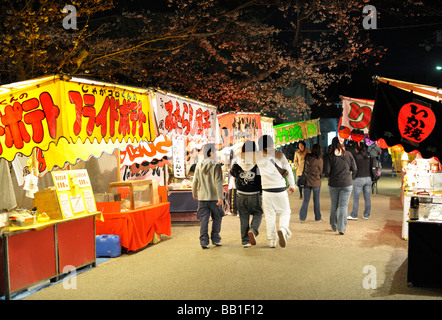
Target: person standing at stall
<point>207,188</point>
<point>248,188</point>
<point>298,162</point>
<point>362,183</point>
<point>275,200</point>
<point>340,169</point>
<point>313,167</point>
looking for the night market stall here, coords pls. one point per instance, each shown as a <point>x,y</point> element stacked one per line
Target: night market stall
<point>54,120</point>
<point>187,124</point>
<point>407,114</point>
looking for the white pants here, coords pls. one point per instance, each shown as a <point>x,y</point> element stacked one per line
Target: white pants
<point>276,203</point>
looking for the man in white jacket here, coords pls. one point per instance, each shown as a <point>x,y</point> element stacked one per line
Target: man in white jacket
<point>275,200</point>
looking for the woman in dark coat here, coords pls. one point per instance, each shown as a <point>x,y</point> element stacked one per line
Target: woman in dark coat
<point>340,169</point>
<point>313,166</point>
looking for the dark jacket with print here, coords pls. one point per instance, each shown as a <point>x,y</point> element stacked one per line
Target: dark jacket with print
<point>247,177</point>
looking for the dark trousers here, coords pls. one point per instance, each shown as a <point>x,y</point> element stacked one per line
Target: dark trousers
<point>249,205</point>
<point>207,209</point>
<point>305,202</point>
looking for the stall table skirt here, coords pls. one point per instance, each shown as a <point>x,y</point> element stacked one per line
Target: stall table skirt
<point>45,251</point>
<point>424,254</point>
<point>136,228</point>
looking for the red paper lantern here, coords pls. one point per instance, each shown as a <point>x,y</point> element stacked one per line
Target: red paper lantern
<point>382,144</point>
<point>416,122</point>
<point>357,135</point>
<point>344,132</point>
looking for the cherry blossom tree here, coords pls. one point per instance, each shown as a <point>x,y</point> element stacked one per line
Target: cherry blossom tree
<point>237,55</point>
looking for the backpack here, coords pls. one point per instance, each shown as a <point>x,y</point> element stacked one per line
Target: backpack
<point>376,168</point>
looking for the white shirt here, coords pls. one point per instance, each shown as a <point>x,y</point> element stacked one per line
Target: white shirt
<point>270,176</point>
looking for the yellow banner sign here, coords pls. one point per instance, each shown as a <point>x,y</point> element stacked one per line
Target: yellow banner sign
<point>38,112</point>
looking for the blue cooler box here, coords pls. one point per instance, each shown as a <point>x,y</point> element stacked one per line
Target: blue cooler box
<point>107,245</point>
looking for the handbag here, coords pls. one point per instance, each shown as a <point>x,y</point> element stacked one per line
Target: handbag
<point>282,171</point>
<point>302,179</point>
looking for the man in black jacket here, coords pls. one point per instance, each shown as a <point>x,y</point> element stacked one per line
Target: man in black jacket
<point>248,188</point>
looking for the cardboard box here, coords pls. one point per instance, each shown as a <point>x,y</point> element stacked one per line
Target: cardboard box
<point>46,201</point>
<point>140,193</point>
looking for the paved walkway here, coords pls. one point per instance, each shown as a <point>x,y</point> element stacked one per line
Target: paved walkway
<point>316,264</point>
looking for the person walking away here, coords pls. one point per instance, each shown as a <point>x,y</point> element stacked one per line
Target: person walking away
<point>298,162</point>
<point>313,167</point>
<point>207,188</point>
<point>275,200</point>
<point>248,189</point>
<point>340,169</point>
<point>362,183</point>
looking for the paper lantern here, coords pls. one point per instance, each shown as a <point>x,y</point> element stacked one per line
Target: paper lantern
<point>397,148</point>
<point>382,144</point>
<point>357,135</point>
<point>344,132</point>
<point>416,122</point>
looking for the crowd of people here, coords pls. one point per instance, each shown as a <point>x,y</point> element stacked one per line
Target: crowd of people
<point>264,178</point>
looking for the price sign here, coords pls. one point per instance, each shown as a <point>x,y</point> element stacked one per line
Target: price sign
<point>74,191</point>
<point>83,178</point>
<point>65,205</point>
<point>61,181</point>
<point>89,200</point>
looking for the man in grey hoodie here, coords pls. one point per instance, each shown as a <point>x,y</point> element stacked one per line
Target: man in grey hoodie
<point>207,187</point>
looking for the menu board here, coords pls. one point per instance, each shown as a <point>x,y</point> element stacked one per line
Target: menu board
<point>74,192</point>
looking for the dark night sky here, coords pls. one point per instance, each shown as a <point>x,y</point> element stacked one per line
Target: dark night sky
<point>407,59</point>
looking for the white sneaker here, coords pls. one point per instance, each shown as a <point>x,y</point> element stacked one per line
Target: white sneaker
<point>272,243</point>
<point>282,238</point>
<point>351,218</point>
<point>247,245</point>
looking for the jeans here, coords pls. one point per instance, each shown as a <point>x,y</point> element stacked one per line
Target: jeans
<point>305,202</point>
<point>361,185</point>
<point>339,197</point>
<point>207,209</point>
<point>249,205</point>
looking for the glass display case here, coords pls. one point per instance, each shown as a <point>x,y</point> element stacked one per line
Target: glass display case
<point>136,193</point>
<point>422,179</point>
